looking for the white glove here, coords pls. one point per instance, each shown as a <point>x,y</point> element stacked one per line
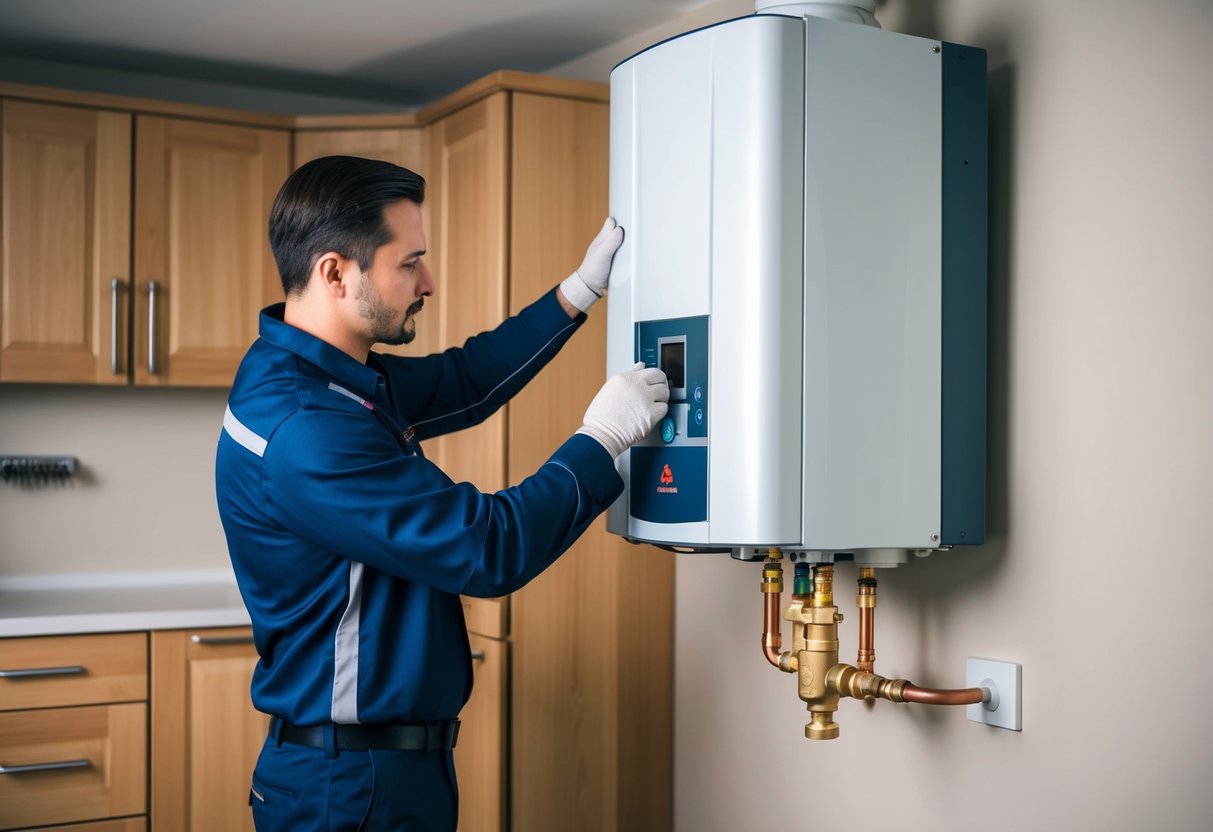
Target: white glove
<point>626,408</point>
<point>589,282</point>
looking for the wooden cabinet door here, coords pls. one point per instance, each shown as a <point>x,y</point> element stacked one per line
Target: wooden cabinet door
<point>82,763</point>
<point>606,710</point>
<point>205,733</point>
<point>480,755</point>
<point>466,194</point>
<point>399,145</point>
<point>65,178</point>
<point>203,266</point>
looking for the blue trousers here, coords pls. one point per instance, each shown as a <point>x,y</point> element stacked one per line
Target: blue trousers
<point>300,789</point>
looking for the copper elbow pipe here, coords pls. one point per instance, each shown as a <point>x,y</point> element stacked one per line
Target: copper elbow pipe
<point>866,601</point>
<point>771,638</point>
<point>951,696</point>
<point>772,590</point>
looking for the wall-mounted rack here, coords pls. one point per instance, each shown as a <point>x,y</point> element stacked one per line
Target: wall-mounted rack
<point>37,470</point>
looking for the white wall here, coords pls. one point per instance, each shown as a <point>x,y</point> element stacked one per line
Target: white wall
<point>1098,571</point>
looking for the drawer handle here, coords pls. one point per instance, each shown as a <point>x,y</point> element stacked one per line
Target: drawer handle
<point>37,672</point>
<point>478,655</point>
<point>57,766</point>
<point>219,641</point>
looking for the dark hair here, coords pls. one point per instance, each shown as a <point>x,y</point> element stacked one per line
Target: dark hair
<point>335,203</point>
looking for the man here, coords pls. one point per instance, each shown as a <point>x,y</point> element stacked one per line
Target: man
<point>350,548</point>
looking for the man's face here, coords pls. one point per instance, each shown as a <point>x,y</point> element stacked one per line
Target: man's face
<point>391,292</point>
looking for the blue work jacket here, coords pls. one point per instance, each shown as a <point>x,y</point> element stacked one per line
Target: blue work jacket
<point>351,549</point>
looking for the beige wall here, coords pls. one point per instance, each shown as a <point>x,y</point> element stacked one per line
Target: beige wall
<point>1098,571</point>
<point>145,496</point>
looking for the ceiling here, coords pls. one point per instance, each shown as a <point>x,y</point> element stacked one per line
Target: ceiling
<point>405,53</point>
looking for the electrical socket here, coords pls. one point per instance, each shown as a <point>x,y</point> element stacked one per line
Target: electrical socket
<point>1005,681</point>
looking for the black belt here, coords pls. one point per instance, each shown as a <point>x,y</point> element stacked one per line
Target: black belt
<point>430,736</point>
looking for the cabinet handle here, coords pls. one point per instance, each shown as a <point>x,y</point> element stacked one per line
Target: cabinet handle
<point>478,655</point>
<point>56,766</point>
<point>37,672</point>
<point>115,294</point>
<point>219,641</point>
<point>153,290</point>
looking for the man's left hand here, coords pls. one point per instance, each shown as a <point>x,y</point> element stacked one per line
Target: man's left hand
<point>589,282</point>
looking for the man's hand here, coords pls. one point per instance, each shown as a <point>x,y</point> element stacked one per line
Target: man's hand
<point>626,408</point>
<point>589,282</point>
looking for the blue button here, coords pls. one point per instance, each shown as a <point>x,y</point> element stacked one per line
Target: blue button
<point>667,429</point>
<point>698,394</point>
<point>699,415</point>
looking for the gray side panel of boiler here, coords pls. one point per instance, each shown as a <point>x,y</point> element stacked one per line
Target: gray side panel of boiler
<point>965,277</point>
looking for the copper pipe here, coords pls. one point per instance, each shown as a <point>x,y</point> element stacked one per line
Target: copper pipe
<point>935,696</point>
<point>857,684</point>
<point>772,640</point>
<point>866,601</point>
<point>772,589</point>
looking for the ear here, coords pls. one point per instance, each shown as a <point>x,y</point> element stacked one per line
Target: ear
<point>335,273</point>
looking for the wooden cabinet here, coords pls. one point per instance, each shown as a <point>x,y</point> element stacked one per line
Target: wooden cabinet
<point>65,183</point>
<point>203,266</point>
<point>517,190</point>
<point>73,730</point>
<point>72,310</point>
<point>468,215</point>
<point>398,145</point>
<point>482,753</point>
<point>205,733</point>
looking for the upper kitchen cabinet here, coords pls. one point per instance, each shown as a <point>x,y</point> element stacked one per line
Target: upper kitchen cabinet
<point>89,179</point>
<point>203,266</point>
<point>400,145</point>
<point>468,221</point>
<point>65,246</point>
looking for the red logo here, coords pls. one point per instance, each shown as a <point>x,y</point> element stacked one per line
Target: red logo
<point>667,482</point>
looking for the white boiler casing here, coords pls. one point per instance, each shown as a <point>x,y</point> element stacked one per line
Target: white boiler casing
<point>804,209</point>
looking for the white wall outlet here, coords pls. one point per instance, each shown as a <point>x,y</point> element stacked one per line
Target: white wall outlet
<point>1005,681</point>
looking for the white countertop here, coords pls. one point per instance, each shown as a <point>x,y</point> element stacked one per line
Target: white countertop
<point>39,605</point>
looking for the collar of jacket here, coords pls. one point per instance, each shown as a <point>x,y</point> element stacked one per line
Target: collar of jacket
<point>360,378</point>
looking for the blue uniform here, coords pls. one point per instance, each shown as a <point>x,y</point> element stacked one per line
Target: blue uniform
<point>351,548</point>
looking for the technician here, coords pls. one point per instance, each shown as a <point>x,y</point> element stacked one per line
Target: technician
<point>350,547</point>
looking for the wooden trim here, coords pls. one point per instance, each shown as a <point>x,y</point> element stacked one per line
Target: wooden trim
<point>167,765</point>
<point>371,121</point>
<point>506,79</point>
<point>124,103</point>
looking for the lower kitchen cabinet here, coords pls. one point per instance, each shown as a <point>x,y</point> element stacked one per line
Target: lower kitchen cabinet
<point>116,825</point>
<point>205,733</point>
<point>480,754</point>
<point>73,730</point>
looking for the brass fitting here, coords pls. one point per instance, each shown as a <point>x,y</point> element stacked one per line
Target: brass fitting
<point>860,684</point>
<point>815,643</point>
<point>822,680</point>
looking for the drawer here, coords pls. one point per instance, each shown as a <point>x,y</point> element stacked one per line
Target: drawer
<point>487,616</point>
<point>54,671</point>
<point>120,825</point>
<point>107,745</point>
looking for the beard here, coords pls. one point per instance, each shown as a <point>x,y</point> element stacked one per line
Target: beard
<point>372,307</point>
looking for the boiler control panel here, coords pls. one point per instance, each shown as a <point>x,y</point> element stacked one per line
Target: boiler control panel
<point>670,466</point>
